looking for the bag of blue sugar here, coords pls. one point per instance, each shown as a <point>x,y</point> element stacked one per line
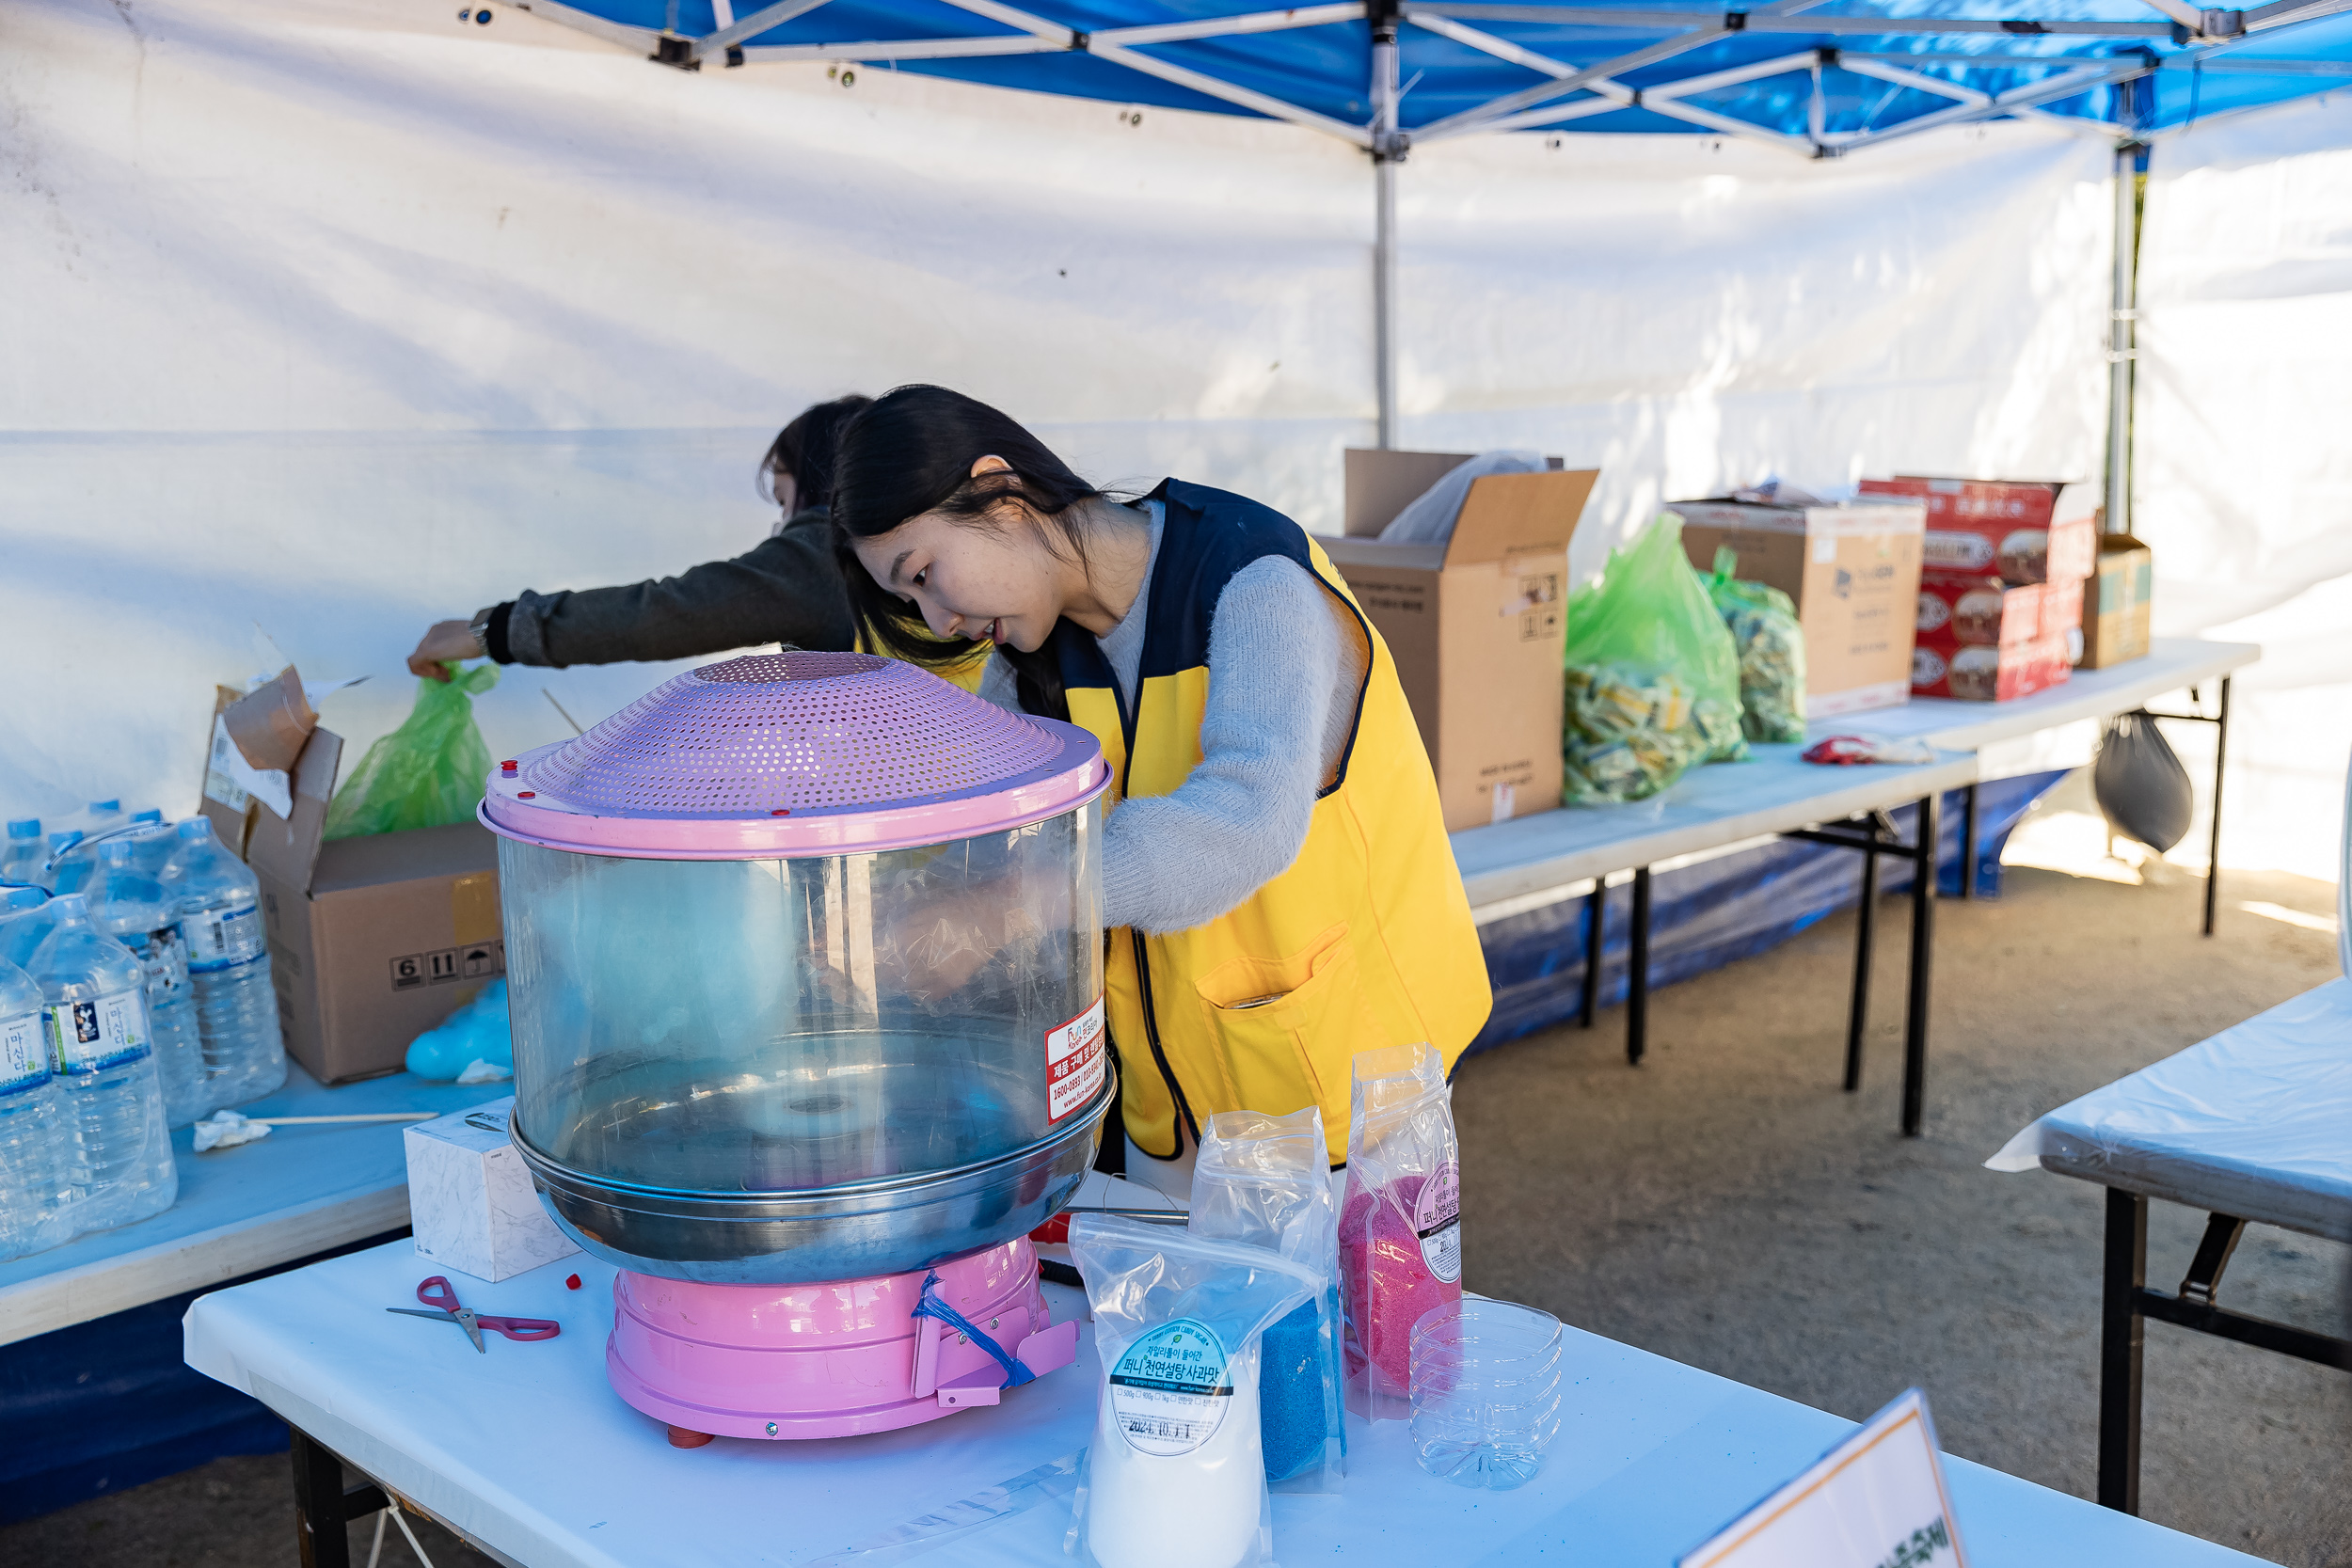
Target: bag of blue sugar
<point>1263,1180</point>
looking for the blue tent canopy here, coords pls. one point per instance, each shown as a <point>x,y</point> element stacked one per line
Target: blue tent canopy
<point>1820,78</point>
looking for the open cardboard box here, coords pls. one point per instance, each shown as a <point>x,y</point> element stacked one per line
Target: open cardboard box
<point>371,941</point>
<point>1476,625</point>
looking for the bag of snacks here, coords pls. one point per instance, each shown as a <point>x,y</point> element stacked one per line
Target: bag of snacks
<point>1267,1180</point>
<point>1175,1477</point>
<point>1764,627</point>
<point>1400,1226</point>
<point>1653,679</point>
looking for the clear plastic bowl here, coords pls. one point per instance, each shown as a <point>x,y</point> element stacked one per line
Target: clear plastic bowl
<point>1485,1391</point>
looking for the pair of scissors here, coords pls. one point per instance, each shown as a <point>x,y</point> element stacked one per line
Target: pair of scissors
<point>437,1293</point>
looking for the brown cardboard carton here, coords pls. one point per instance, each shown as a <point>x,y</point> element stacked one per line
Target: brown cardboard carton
<point>371,941</point>
<point>2116,602</point>
<point>1476,625</point>
<point>1853,572</point>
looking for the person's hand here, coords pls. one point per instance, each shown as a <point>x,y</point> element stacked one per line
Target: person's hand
<point>448,642</point>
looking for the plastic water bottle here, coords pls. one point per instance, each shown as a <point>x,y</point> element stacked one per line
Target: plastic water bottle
<point>219,903</point>
<point>20,862</point>
<point>133,910</point>
<point>94,1007</point>
<point>25,924</point>
<point>99,816</point>
<point>57,859</point>
<point>36,1212</point>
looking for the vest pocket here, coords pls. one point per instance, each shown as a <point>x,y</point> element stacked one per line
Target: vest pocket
<point>1287,1029</point>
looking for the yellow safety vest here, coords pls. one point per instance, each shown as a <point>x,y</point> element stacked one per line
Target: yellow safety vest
<point>1366,941</point>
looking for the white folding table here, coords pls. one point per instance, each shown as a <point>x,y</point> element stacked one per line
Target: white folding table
<point>2254,1124</point>
<point>527,1453</point>
<point>300,1191</point>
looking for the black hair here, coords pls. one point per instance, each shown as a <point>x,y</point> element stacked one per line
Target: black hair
<point>912,451</point>
<point>803,449</point>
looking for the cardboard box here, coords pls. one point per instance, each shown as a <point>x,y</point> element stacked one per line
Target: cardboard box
<point>2028,530</point>
<point>2115,622</point>
<point>1982,672</point>
<point>2062,616</point>
<point>1977,608</point>
<point>1853,572</point>
<point>1476,625</point>
<point>371,941</point>
<point>470,1196</point>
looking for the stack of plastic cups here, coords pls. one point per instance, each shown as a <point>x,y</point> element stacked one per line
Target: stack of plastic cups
<point>1485,1391</point>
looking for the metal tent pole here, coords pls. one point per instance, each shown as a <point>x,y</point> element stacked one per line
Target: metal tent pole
<point>1387,151</point>
<point>2120,350</point>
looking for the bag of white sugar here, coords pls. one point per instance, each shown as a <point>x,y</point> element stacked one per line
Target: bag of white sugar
<point>1175,1477</point>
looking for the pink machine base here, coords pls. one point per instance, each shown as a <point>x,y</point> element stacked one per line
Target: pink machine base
<point>827,1360</point>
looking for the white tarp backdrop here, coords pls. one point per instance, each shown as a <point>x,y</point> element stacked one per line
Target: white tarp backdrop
<point>2244,476</point>
<point>327,319</point>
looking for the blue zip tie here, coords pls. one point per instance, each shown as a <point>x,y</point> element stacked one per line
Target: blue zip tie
<point>932,1306</point>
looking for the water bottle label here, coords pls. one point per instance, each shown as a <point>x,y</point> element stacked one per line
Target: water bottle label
<point>167,961</point>
<point>222,939</point>
<point>90,1037</point>
<point>1170,1389</point>
<point>23,1057</point>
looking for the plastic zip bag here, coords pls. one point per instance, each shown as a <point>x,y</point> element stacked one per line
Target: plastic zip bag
<point>1653,680</point>
<point>2141,787</point>
<point>1267,1180</point>
<point>1400,1226</point>
<point>1175,1477</point>
<point>427,773</point>
<point>1770,642</point>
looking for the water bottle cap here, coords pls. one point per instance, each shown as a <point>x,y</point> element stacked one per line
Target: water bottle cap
<point>197,827</point>
<point>150,814</point>
<point>105,805</point>
<point>24,827</point>
<point>16,895</point>
<point>70,906</point>
<point>65,838</point>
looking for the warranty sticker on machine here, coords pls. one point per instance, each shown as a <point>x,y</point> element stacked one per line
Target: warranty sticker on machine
<point>1074,1063</point>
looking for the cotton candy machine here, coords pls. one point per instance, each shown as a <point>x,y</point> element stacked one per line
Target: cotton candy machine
<point>805,953</point>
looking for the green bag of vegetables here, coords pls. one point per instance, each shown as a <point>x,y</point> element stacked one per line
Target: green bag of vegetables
<point>1764,627</point>
<point>427,773</point>
<point>1653,680</point>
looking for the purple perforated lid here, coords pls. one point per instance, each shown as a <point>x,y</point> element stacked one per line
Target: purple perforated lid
<point>794,754</point>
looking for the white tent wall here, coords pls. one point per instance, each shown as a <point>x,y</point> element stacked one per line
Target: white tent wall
<point>2243,478</point>
<point>327,319</point>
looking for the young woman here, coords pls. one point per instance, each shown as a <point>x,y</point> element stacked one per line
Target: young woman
<point>786,590</point>
<point>1273,861</point>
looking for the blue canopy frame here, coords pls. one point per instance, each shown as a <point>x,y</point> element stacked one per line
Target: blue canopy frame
<point>1817,78</point>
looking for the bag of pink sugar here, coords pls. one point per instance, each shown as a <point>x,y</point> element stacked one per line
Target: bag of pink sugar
<point>1400,1226</point>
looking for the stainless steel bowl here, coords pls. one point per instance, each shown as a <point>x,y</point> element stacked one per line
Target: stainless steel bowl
<point>856,1231</point>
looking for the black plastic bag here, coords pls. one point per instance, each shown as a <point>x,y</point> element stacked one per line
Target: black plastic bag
<point>2142,788</point>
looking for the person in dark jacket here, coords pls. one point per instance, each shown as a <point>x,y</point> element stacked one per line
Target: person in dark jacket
<point>788,589</point>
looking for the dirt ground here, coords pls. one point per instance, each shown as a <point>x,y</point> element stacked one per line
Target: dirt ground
<point>1727,1206</point>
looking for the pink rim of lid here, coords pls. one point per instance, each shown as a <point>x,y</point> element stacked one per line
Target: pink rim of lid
<point>790,754</point>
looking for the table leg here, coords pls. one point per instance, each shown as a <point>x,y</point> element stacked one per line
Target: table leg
<point>1637,973</point>
<point>1968,842</point>
<point>2212,848</point>
<point>323,1506</point>
<point>2122,1334</point>
<point>1596,917</point>
<point>1922,961</point>
<point>1866,925</point>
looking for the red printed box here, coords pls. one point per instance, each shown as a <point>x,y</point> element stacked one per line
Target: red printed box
<point>1979,672</point>
<point>2026,530</point>
<point>1978,608</point>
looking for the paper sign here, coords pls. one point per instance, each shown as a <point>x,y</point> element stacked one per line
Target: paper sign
<point>1876,1500</point>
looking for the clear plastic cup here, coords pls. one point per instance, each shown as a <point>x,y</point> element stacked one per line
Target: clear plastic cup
<point>1485,1391</point>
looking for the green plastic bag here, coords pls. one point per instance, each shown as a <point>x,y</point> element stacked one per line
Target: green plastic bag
<point>1764,627</point>
<point>1653,680</point>
<point>427,773</point>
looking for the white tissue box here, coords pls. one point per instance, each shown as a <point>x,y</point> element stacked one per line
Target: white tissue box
<point>469,1198</point>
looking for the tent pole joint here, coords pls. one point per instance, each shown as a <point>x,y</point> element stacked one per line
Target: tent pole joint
<point>672,50</point>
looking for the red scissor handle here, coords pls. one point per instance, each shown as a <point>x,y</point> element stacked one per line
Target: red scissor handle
<point>438,1292</point>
